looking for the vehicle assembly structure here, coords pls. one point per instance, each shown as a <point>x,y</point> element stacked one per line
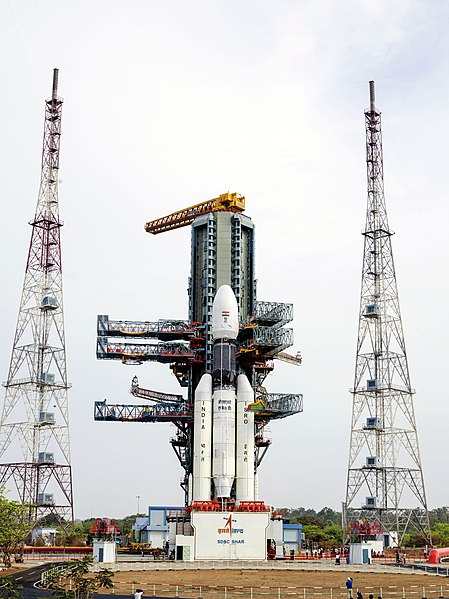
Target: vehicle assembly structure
<point>221,355</point>
<point>35,416</point>
<point>385,486</point>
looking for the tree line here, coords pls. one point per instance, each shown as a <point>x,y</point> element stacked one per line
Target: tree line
<point>323,527</point>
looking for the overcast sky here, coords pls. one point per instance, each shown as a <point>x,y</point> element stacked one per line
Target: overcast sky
<point>167,104</point>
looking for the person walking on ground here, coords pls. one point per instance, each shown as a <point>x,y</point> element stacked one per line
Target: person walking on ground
<point>397,556</point>
<point>337,558</point>
<point>349,587</point>
<point>404,558</point>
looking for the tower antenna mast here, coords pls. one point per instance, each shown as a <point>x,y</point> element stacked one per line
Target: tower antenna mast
<point>385,484</point>
<point>35,419</point>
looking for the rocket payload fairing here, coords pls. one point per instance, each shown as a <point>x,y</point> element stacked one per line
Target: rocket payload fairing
<point>223,446</point>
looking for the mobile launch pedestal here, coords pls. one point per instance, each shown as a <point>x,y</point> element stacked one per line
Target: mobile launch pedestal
<point>230,535</point>
<point>221,355</point>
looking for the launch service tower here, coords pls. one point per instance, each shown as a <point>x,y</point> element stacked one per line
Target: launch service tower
<point>221,355</point>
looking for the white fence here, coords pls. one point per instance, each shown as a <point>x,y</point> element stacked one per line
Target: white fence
<point>418,591</point>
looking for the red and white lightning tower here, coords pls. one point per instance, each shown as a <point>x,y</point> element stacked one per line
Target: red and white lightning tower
<point>385,485</point>
<point>35,420</point>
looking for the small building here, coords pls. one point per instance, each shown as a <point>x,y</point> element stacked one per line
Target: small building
<point>361,553</point>
<point>104,551</point>
<point>154,528</point>
<point>274,536</point>
<point>292,538</point>
<point>43,536</point>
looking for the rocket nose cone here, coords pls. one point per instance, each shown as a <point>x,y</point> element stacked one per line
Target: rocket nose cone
<point>225,295</point>
<point>225,314</point>
<point>243,384</point>
<point>205,384</point>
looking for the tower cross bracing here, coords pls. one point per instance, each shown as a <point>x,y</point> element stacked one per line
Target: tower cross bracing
<point>34,419</point>
<point>385,481</point>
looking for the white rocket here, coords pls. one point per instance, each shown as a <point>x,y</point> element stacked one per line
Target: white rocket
<point>223,445</point>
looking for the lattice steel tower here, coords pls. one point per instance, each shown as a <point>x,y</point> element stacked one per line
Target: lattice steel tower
<point>35,415</point>
<point>385,482</point>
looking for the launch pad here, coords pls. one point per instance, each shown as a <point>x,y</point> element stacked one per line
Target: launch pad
<point>222,355</point>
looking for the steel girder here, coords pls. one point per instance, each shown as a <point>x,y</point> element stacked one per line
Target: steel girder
<point>385,480</point>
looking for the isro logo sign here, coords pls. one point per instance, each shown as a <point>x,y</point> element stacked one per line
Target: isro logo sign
<point>229,529</point>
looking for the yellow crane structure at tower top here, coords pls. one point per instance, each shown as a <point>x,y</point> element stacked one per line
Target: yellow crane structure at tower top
<point>226,202</point>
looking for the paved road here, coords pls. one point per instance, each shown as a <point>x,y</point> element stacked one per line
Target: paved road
<point>27,578</point>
